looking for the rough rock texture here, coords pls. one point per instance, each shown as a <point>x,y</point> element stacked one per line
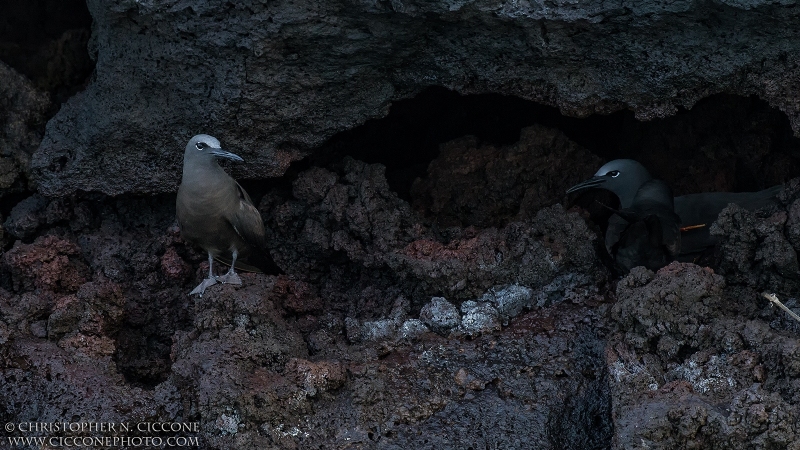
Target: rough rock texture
<point>65,326</point>
<point>348,228</point>
<point>46,41</point>
<point>127,243</point>
<point>22,119</point>
<point>697,365</point>
<point>440,315</point>
<point>293,74</point>
<point>759,249</point>
<point>535,345</point>
<point>699,359</point>
<point>482,185</point>
<point>335,353</point>
<point>257,388</point>
<point>356,345</point>
<point>86,309</point>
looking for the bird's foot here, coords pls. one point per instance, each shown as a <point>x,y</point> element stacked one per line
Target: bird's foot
<point>201,288</point>
<point>230,278</point>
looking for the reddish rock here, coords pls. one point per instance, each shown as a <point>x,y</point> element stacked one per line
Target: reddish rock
<point>104,303</point>
<point>49,263</point>
<point>173,266</point>
<point>678,354</point>
<point>64,319</point>
<point>297,296</point>
<point>88,345</point>
<point>316,377</point>
<point>474,183</point>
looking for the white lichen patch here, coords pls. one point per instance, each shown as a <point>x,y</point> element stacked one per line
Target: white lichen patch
<point>283,431</point>
<point>623,373</point>
<point>228,424</point>
<point>707,378</point>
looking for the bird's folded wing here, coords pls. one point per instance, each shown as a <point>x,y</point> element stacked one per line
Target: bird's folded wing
<point>706,206</point>
<point>246,220</point>
<point>672,235</point>
<point>617,225</point>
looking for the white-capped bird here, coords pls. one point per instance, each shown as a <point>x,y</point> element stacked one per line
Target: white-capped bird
<point>216,214</point>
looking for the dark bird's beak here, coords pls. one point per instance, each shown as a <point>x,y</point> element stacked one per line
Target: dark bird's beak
<point>590,183</point>
<point>220,153</point>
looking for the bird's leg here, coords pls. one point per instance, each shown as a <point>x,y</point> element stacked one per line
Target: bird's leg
<point>210,281</point>
<point>231,277</point>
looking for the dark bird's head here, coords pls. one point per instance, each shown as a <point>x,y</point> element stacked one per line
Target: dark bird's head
<point>623,177</point>
<point>205,147</point>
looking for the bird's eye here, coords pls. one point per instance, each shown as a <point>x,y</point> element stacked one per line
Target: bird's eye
<point>200,145</point>
<point>613,173</point>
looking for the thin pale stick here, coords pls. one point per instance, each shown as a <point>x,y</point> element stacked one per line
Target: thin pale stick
<point>774,299</point>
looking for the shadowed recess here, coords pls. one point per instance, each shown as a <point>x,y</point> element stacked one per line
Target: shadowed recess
<point>46,40</point>
<point>724,142</point>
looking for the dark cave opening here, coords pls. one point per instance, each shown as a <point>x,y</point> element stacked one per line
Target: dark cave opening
<point>47,41</point>
<point>723,143</point>
<point>408,138</point>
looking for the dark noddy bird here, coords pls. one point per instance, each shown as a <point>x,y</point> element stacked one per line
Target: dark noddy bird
<point>697,212</point>
<point>648,233</point>
<point>216,214</point>
<point>623,177</point>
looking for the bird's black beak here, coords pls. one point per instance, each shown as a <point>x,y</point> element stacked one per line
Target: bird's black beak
<point>220,153</point>
<point>590,183</point>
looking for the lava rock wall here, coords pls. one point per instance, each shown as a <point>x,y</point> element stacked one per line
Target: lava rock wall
<point>467,309</point>
<point>273,80</point>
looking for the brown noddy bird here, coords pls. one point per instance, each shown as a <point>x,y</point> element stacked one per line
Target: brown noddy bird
<point>215,213</point>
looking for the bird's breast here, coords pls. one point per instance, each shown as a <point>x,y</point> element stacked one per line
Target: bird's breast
<point>202,213</point>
